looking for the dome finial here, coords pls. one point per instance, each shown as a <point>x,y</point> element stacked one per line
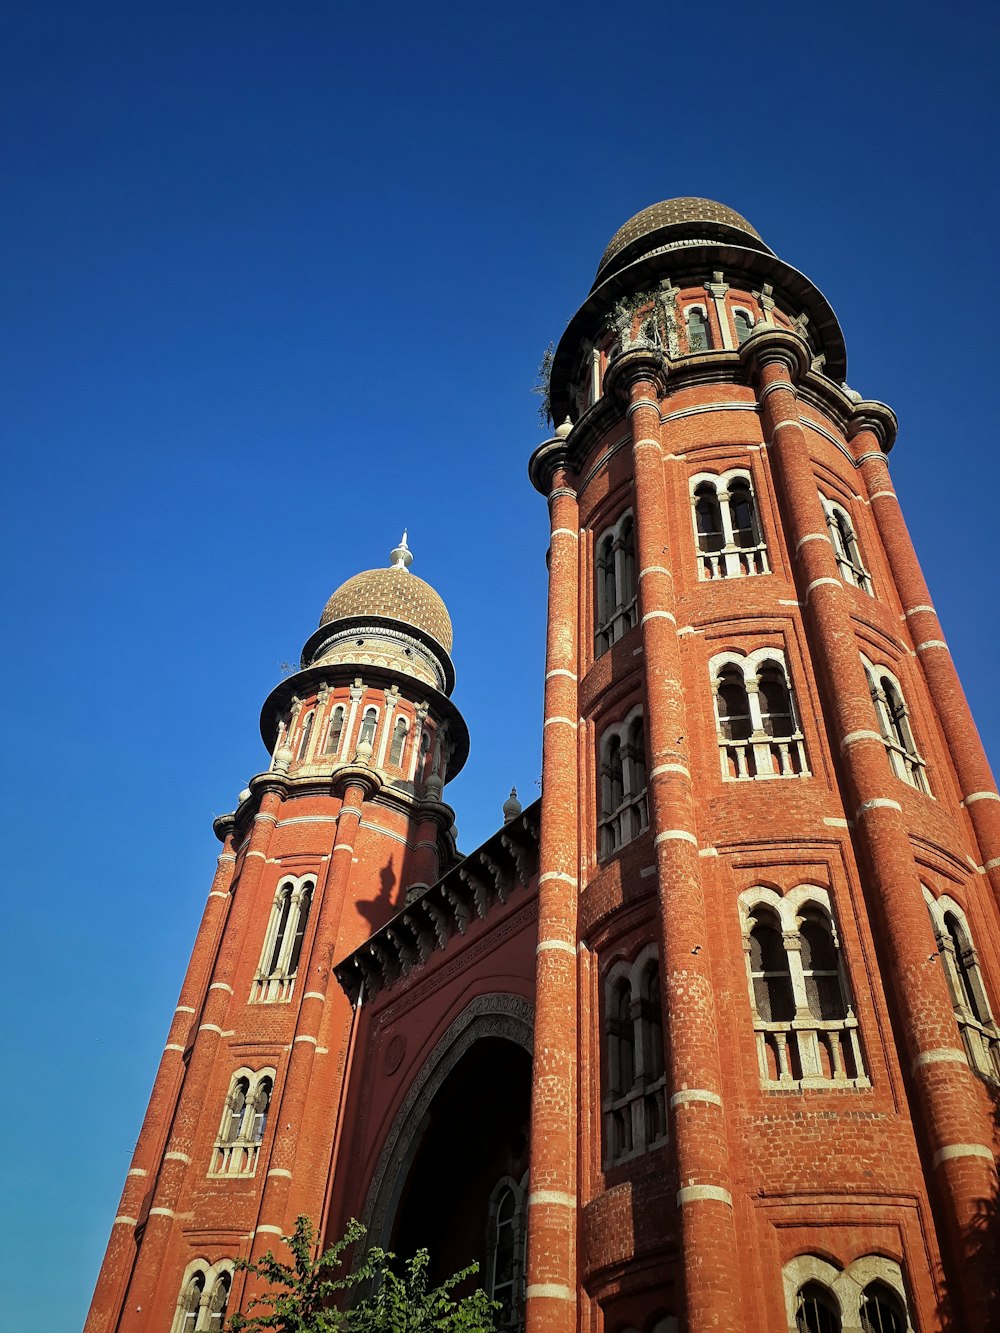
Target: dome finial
<point>401,555</point>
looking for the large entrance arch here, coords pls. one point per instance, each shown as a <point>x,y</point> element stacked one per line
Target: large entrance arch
<point>461,1132</point>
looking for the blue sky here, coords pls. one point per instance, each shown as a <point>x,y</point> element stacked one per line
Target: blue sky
<point>277,279</point>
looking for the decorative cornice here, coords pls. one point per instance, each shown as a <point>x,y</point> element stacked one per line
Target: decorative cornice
<point>550,457</point>
<point>223,825</point>
<point>506,862</point>
<point>876,418</point>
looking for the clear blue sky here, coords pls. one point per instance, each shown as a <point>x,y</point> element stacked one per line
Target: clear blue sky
<point>276,280</point>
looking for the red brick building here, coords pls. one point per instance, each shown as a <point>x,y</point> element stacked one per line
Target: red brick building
<point>705,1038</point>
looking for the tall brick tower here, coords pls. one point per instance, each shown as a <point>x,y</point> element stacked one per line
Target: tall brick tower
<point>704,1038</point>
<point>323,849</point>
<point>770,842</point>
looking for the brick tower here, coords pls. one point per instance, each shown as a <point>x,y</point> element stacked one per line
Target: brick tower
<point>770,841</point>
<point>703,1039</point>
<point>320,852</point>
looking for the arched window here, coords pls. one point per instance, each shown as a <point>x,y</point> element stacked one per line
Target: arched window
<point>366,736</point>
<point>758,726</point>
<point>743,322</point>
<point>623,810</point>
<point>821,967</point>
<point>505,1245</point>
<point>219,1302</point>
<point>190,1306</point>
<point>816,1310</point>
<point>306,733</point>
<point>696,326</point>
<point>634,1100</point>
<point>970,1001</point>
<point>845,546</point>
<point>614,584</point>
<point>769,970</point>
<point>727,529</point>
<point>279,959</point>
<point>336,730</point>
<point>894,724</point>
<point>398,742</point>
<point>881,1310</point>
<point>775,701</point>
<point>805,1027</point>
<point>244,1119</point>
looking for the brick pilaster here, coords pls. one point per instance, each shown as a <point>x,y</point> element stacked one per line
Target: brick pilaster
<point>551,1305</point>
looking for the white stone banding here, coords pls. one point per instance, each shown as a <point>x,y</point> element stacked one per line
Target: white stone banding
<point>878,803</point>
<point>549,1291</point>
<point>670,768</point>
<point>659,615</point>
<point>816,583</point>
<point>675,835</point>
<point>940,1055</point>
<point>565,721</point>
<point>695,1095</point>
<point>915,610</point>
<point>931,643</point>
<point>557,874</point>
<point>853,736</point>
<point>560,946</point>
<point>811,537</point>
<point>980,796</point>
<point>953,1150</point>
<point>558,1198</point>
<point>699,1193</point>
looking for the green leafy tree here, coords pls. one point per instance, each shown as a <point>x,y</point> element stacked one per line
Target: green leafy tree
<point>301,1296</point>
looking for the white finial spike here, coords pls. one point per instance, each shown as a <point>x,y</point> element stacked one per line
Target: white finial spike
<point>401,556</point>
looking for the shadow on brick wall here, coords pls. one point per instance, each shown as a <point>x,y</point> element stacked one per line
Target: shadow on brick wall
<point>982,1246</point>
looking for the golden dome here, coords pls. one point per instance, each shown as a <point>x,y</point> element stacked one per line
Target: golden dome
<point>392,594</point>
<point>692,213</point>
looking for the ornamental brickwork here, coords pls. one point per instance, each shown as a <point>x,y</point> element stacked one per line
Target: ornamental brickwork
<point>703,1039</point>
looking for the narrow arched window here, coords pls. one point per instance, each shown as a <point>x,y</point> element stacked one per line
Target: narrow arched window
<point>218,1303</point>
<point>735,722</point>
<point>845,546</point>
<point>623,1028</point>
<point>502,1285</point>
<point>821,967</point>
<point>965,968</point>
<point>627,543</point>
<point>336,730</point>
<point>742,514</point>
<point>302,920</point>
<point>306,733</point>
<point>261,1100</point>
<point>775,701</point>
<point>696,325</point>
<point>368,723</point>
<point>623,810</point>
<point>191,1303</point>
<point>652,1020</point>
<point>897,735</point>
<point>398,741</point>
<point>881,1310</point>
<point>769,971</point>
<point>816,1311</point>
<point>708,518</point>
<point>743,323</point>
<point>237,1109</point>
<point>284,909</point>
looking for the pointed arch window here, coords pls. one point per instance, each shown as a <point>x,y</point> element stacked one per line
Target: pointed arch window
<point>204,1298</point>
<point>307,727</point>
<point>960,961</point>
<point>614,584</point>
<point>807,1034</point>
<point>816,1311</point>
<point>398,742</point>
<point>634,1098</point>
<point>757,721</point>
<point>283,941</point>
<point>845,545</point>
<point>894,724</point>
<point>743,323</point>
<point>697,329</point>
<point>190,1306</point>
<point>244,1119</point>
<point>219,1303</point>
<point>727,527</point>
<point>335,730</point>
<point>623,809</point>
<point>369,723</point>
<point>882,1310</point>
<point>505,1252</point>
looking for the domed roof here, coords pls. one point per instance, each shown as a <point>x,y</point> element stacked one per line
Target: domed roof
<point>700,216</point>
<point>392,594</point>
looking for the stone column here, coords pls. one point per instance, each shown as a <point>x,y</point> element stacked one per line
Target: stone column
<point>177,1158</point>
<point>946,1102</point>
<point>121,1252</point>
<point>708,1232</point>
<point>552,1194</point>
<point>872,431</point>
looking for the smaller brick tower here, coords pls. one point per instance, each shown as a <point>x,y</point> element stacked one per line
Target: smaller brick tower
<point>323,849</point>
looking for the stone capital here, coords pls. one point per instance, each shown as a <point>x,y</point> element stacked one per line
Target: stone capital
<point>876,419</point>
<point>769,345</point>
<point>638,366</point>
